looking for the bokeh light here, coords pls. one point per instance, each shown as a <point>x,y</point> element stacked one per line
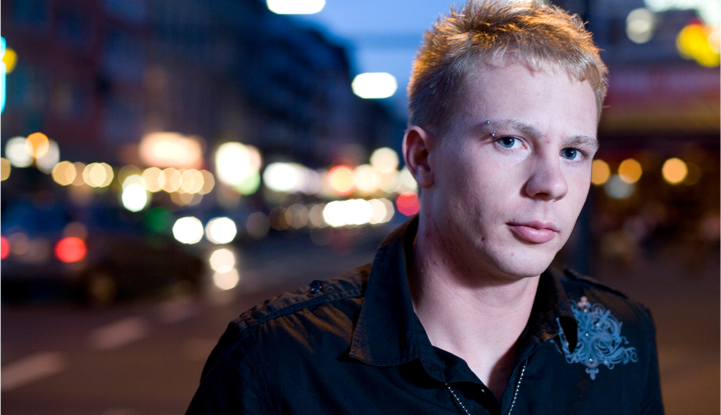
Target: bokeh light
<point>165,149</point>
<point>390,182</point>
<point>134,196</point>
<point>382,211</point>
<point>249,185</point>
<point>640,24</point>
<point>385,160</point>
<point>191,181</point>
<point>221,230</point>
<point>4,247</point>
<point>342,180</point>
<point>5,169</point>
<point>674,170</point>
<point>79,173</point>
<point>51,157</point>
<point>315,216</point>
<point>19,243</point>
<point>185,199</point>
<point>64,173</point>
<point>169,180</point>
<point>354,212</point>
<point>222,260</point>
<point>127,171</point>
<point>237,165</point>
<point>699,42</point>
<point>98,174</point>
<point>37,145</point>
<point>71,249</point>
<point>295,6</point>
<point>151,175</point>
<point>617,188</point>
<point>226,280</point>
<point>158,219</point>
<point>283,177</point>
<point>297,216</point>
<point>407,181</point>
<point>9,58</point>
<point>16,152</point>
<point>208,182</point>
<point>374,85</point>
<point>600,172</point>
<point>408,203</point>
<point>347,212</point>
<point>188,230</point>
<point>277,218</point>
<point>367,179</point>
<point>630,171</point>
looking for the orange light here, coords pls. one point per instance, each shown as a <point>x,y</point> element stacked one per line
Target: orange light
<point>408,203</point>
<point>342,180</point>
<point>37,145</point>
<point>71,249</point>
<point>4,247</point>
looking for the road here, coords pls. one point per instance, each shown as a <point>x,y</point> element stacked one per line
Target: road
<point>146,357</point>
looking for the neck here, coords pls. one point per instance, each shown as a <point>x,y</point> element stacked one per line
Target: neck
<point>471,313</point>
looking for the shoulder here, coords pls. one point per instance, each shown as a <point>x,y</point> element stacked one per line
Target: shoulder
<point>338,292</point>
<point>572,277</point>
<point>583,289</point>
<point>292,321</point>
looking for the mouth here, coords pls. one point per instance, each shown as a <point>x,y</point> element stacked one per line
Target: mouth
<point>535,232</point>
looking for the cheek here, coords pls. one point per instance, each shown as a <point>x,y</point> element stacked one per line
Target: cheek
<point>579,184</point>
<point>578,191</point>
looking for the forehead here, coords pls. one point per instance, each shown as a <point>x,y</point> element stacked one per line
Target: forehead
<point>515,91</point>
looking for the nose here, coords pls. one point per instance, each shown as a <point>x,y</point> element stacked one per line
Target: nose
<point>546,181</point>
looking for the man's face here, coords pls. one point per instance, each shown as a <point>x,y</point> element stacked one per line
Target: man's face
<point>512,171</point>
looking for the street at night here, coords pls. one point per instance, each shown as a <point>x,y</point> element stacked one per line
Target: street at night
<point>146,357</point>
<point>169,164</point>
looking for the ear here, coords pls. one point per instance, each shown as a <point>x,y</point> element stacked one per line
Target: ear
<point>417,146</point>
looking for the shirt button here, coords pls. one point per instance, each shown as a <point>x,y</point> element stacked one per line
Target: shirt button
<point>315,287</point>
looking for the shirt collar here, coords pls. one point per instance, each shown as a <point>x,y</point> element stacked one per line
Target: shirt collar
<point>388,332</point>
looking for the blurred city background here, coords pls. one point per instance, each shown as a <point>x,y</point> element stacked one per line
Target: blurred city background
<point>168,164</point>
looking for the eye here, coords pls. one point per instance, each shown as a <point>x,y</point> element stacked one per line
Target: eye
<point>570,153</point>
<point>507,142</point>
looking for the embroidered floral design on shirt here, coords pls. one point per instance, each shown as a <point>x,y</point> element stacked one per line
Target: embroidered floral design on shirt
<point>599,339</point>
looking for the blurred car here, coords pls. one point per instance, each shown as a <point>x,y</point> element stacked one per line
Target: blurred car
<point>97,255</point>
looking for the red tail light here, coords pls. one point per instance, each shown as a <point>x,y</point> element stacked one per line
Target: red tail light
<point>4,247</point>
<point>70,249</point>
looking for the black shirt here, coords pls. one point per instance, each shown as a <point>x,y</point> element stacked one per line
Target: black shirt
<point>353,345</point>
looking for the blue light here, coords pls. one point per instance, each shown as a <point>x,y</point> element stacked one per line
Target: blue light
<point>3,75</point>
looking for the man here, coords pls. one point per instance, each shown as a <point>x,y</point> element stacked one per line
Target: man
<point>458,312</point>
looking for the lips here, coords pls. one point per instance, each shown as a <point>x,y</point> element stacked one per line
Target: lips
<point>536,232</point>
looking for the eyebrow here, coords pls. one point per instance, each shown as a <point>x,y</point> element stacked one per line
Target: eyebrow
<point>583,140</point>
<point>532,131</point>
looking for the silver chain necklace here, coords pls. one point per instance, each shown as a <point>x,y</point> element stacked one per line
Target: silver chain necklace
<point>462,407</point>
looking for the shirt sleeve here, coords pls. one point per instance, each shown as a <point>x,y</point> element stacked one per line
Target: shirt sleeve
<point>229,383</point>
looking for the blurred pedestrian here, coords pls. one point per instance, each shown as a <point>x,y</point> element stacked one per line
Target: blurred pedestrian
<point>458,313</point>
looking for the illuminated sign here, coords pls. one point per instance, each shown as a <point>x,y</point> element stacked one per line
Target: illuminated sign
<point>3,75</point>
<point>708,10</point>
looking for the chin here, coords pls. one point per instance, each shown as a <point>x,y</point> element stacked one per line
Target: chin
<point>525,266</point>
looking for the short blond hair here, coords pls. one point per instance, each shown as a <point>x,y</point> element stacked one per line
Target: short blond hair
<point>497,32</point>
